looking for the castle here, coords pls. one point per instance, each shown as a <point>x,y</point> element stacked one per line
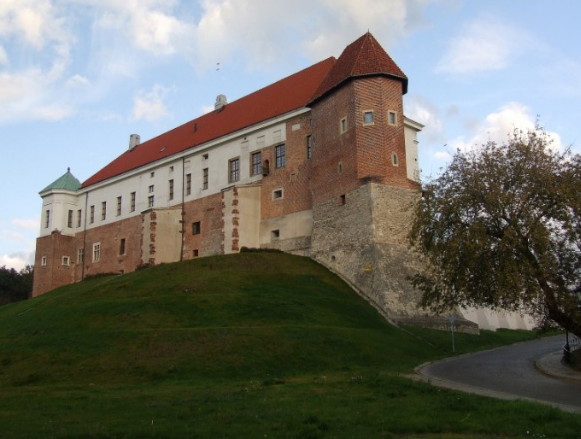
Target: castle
<point>322,163</point>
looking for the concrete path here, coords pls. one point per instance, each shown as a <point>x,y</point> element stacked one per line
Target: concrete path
<point>530,370</point>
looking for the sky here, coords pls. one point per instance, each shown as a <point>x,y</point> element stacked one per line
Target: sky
<point>77,77</point>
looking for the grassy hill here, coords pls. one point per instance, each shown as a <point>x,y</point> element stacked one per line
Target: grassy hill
<point>248,345</point>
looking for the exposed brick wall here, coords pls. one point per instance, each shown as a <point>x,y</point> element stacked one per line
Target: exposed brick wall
<point>294,178</point>
<point>208,211</point>
<point>109,236</point>
<point>54,273</point>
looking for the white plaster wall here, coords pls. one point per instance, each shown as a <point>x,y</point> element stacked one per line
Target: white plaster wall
<point>59,203</point>
<point>294,225</point>
<point>411,130</point>
<point>215,157</point>
<point>493,320</point>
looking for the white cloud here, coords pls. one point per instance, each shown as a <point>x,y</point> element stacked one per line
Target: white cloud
<point>151,25</point>
<point>149,105</point>
<point>231,27</point>
<point>483,44</point>
<point>426,113</point>
<point>17,260</point>
<point>499,125</point>
<point>27,224</point>
<point>3,56</point>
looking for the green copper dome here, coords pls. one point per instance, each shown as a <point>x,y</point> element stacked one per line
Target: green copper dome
<point>66,182</point>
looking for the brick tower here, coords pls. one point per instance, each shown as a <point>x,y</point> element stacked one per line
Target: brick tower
<point>362,186</point>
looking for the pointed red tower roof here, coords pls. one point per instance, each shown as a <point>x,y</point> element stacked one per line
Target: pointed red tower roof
<point>363,57</point>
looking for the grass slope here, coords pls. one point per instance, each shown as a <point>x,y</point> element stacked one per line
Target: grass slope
<point>248,345</point>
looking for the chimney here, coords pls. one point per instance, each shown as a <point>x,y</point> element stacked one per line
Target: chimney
<point>134,140</point>
<point>221,102</point>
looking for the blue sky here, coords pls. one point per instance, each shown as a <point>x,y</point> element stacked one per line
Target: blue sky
<point>77,77</point>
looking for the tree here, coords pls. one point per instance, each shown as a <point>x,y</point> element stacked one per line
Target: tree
<point>15,285</point>
<point>501,228</point>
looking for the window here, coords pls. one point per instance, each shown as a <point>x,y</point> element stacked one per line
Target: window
<point>309,146</point>
<point>80,255</point>
<point>280,155</point>
<point>92,214</point>
<point>343,125</point>
<point>196,228</point>
<point>151,188</point>
<point>96,252</point>
<point>132,204</point>
<point>152,174</point>
<point>342,200</point>
<point>277,194</point>
<point>43,261</point>
<point>368,118</point>
<point>275,234</point>
<point>119,201</point>
<point>392,117</point>
<point>195,253</point>
<point>70,219</point>
<point>394,159</point>
<point>79,217</point>
<point>47,219</point>
<point>205,178</point>
<point>122,246</point>
<point>234,170</point>
<point>170,189</point>
<point>103,210</point>
<point>188,184</point>
<point>65,260</point>
<point>150,201</point>
<point>256,161</point>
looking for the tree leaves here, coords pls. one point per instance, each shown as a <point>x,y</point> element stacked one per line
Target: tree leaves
<point>501,228</point>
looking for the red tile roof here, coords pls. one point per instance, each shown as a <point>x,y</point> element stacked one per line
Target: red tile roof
<point>363,57</point>
<point>274,100</point>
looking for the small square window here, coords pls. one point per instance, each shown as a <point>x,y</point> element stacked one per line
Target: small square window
<point>275,234</point>
<point>196,228</point>
<point>277,194</point>
<point>152,174</point>
<point>368,118</point>
<point>66,261</point>
<point>392,117</point>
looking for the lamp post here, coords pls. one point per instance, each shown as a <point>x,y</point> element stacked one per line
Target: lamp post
<point>566,349</point>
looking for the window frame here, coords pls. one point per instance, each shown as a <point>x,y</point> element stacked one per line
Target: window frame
<point>280,156</point>
<point>392,115</point>
<point>103,210</point>
<point>96,252</point>
<point>234,170</point>
<point>205,178</point>
<point>196,228</point>
<point>256,165</point>
<point>368,113</point>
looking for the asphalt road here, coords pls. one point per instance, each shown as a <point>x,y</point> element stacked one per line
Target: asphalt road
<point>509,373</point>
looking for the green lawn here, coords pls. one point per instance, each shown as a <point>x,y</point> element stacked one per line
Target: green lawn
<point>249,345</point>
